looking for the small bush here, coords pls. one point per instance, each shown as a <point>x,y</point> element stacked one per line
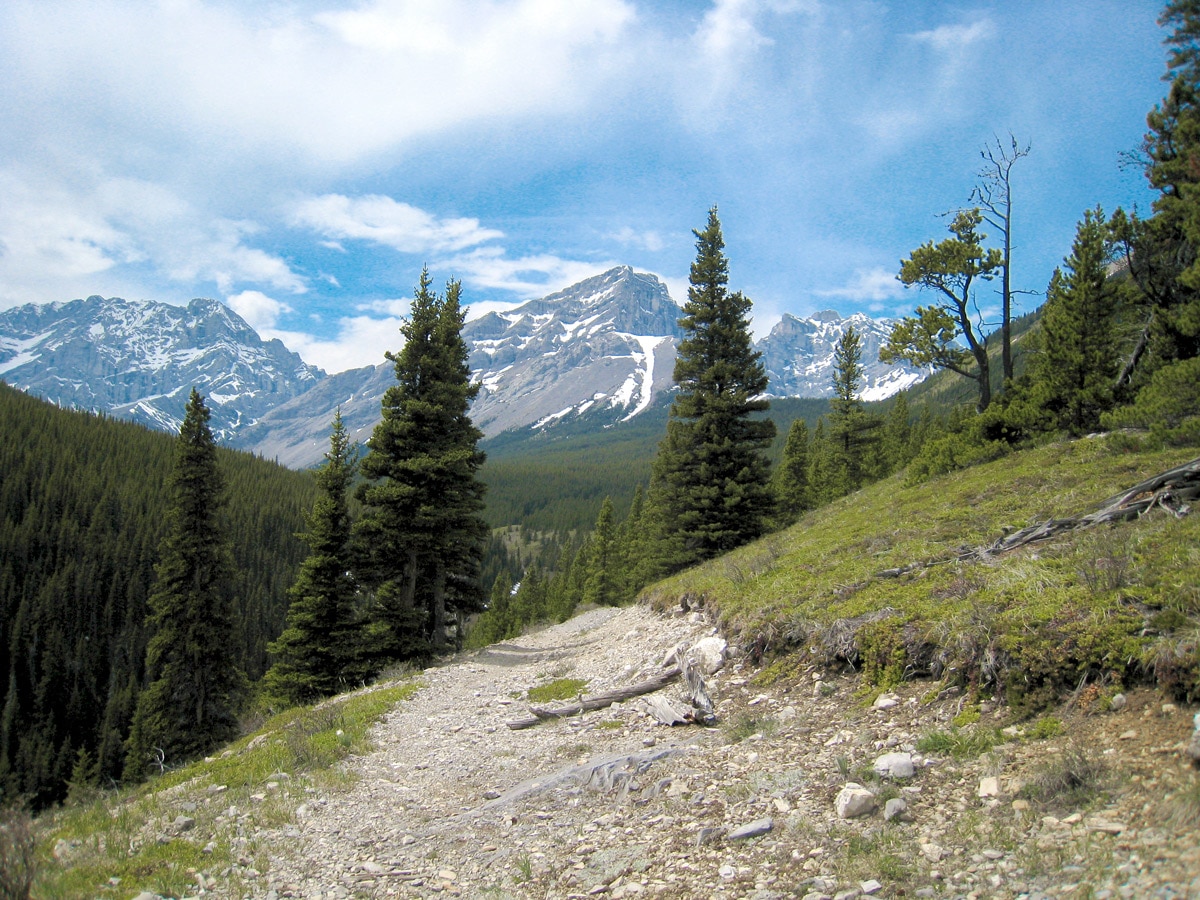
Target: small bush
<point>1070,778</point>
<point>1044,728</point>
<point>959,743</point>
<point>559,689</point>
<point>748,724</point>
<point>1183,809</point>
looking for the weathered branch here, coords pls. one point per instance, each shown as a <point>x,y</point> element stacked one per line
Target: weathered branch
<point>597,701</point>
<point>1172,490</point>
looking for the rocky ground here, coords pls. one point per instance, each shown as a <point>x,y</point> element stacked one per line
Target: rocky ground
<point>611,804</point>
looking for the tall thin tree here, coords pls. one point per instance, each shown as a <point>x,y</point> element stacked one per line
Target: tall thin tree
<point>995,197</point>
<point>318,652</point>
<point>190,703</point>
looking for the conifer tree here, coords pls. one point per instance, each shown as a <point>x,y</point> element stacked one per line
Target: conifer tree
<point>604,577</point>
<point>421,524</point>
<point>1075,371</point>
<point>1163,256</point>
<point>317,654</point>
<point>190,703</point>
<point>950,270</point>
<point>897,445</point>
<point>791,478</point>
<point>851,430</point>
<point>710,486</point>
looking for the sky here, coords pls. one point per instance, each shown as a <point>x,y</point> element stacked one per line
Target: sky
<point>302,160</point>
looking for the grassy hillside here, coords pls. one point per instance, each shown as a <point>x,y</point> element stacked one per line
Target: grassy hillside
<point>1105,606</point>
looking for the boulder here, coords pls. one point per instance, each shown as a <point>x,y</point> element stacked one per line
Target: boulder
<point>854,801</point>
<point>894,765</point>
<point>709,654</point>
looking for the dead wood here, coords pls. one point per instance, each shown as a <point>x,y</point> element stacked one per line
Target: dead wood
<point>663,710</point>
<point>597,701</point>
<point>1172,490</point>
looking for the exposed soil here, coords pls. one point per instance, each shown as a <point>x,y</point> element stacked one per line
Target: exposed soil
<point>611,804</point>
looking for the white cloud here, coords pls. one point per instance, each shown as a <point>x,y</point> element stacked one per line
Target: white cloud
<point>331,86</point>
<point>956,38</point>
<point>529,276</point>
<point>260,311</point>
<point>360,341</point>
<point>641,240</point>
<point>72,231</point>
<point>868,284</point>
<point>389,223</point>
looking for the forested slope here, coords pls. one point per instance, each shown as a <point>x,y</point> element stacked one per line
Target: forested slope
<point>82,513</point>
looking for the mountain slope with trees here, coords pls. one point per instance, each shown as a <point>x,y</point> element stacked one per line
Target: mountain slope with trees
<point>83,512</point>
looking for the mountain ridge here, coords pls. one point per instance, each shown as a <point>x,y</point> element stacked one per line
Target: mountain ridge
<point>602,349</point>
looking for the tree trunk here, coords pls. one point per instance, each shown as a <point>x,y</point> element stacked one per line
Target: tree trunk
<point>438,610</point>
<point>408,596</point>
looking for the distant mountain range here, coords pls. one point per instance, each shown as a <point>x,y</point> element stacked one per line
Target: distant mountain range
<point>604,347</point>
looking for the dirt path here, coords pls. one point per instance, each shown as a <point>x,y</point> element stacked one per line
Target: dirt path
<point>610,804</point>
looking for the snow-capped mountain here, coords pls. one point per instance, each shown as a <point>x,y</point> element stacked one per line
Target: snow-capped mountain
<point>607,343</point>
<point>798,355</point>
<point>605,347</point>
<point>140,359</point>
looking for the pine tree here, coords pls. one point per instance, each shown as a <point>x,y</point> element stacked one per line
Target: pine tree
<point>1162,251</point>
<point>604,577</point>
<point>710,486</point>
<point>897,445</point>
<point>791,478</point>
<point>190,703</point>
<point>421,524</point>
<point>316,654</point>
<point>1074,374</point>
<point>851,430</point>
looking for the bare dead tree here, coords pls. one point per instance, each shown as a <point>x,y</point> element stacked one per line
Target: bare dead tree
<point>993,194</point>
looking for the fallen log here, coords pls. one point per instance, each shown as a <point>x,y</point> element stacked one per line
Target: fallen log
<point>1172,491</point>
<point>597,701</point>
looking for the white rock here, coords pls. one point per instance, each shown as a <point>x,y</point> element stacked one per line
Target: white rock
<point>886,701</point>
<point>709,654</point>
<point>854,801</point>
<point>895,808</point>
<point>989,786</point>
<point>894,765</point>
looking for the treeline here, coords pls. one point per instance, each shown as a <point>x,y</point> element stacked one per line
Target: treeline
<point>82,516</point>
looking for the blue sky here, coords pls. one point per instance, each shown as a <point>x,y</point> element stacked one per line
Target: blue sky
<point>302,160</point>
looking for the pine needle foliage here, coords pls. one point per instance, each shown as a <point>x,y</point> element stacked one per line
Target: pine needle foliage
<point>319,653</point>
<point>710,489</point>
<point>194,686</point>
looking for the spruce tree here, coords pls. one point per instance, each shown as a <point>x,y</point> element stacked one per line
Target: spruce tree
<point>190,703</point>
<point>851,430</point>
<point>1074,372</point>
<point>1162,251</point>
<point>710,489</point>
<point>316,654</point>
<point>421,523</point>
<point>604,576</point>
<point>791,478</point>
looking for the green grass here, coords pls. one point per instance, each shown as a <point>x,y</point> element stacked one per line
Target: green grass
<point>559,689</point>
<point>1025,626</point>
<point>113,839</point>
